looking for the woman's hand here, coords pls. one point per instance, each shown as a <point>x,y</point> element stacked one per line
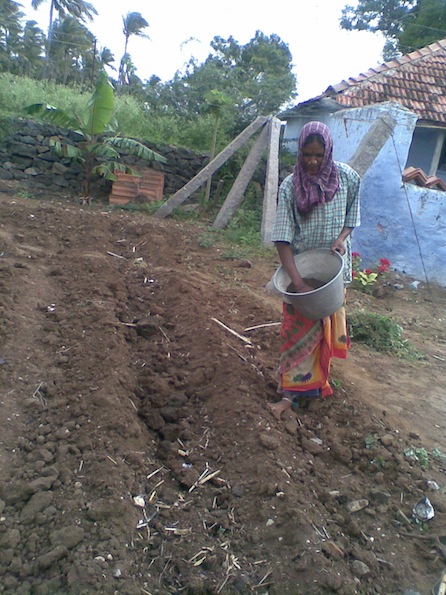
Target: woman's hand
<point>303,288</point>
<point>338,246</point>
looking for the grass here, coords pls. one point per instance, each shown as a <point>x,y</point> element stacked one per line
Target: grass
<point>382,334</point>
<point>134,119</point>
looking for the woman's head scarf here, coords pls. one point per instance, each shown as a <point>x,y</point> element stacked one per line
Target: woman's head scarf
<point>311,190</point>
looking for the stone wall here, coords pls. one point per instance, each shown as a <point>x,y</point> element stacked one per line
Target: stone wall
<point>26,156</point>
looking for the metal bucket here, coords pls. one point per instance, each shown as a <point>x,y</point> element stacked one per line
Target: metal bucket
<point>325,266</point>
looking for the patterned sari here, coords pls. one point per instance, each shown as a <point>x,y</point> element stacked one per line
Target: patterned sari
<point>307,349</point>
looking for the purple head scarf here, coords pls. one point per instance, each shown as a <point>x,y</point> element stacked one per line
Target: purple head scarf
<point>311,190</point>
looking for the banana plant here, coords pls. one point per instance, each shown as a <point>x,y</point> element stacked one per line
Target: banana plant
<point>98,150</point>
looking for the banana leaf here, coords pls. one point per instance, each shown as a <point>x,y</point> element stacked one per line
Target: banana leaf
<point>136,148</point>
<point>53,115</point>
<point>100,106</point>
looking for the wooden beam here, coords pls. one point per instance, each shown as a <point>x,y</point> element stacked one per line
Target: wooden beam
<point>372,143</point>
<point>179,197</point>
<point>271,182</point>
<point>236,194</point>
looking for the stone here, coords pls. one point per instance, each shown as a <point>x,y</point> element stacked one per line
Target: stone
<point>387,440</point>
<point>18,491</point>
<point>312,447</point>
<point>5,174</point>
<point>62,433</point>
<point>36,504</point>
<point>28,140</point>
<point>42,484</point>
<point>102,509</point>
<point>268,441</point>
<point>22,150</point>
<point>291,426</point>
<point>10,539</point>
<point>68,537</point>
<point>32,171</point>
<point>357,505</point>
<point>360,569</point>
<point>19,175</point>
<point>60,181</point>
<point>42,454</point>
<point>47,560</point>
<point>59,168</point>
<point>149,326</point>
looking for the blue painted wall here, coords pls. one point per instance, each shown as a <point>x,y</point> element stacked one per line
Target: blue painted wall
<point>401,222</point>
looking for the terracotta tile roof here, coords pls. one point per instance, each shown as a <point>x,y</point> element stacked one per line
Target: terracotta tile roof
<point>416,80</point>
<point>415,175</point>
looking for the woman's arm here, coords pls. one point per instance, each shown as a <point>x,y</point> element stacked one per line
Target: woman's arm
<point>287,259</point>
<point>338,244</point>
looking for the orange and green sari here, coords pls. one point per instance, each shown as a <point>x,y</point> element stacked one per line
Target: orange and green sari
<point>307,349</point>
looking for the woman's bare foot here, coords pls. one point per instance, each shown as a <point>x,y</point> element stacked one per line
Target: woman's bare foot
<point>278,408</point>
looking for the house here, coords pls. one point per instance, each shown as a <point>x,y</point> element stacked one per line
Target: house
<point>417,81</point>
<point>404,192</point>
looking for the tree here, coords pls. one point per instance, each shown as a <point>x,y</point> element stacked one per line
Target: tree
<point>31,49</point>
<point>71,43</point>
<point>134,24</point>
<point>256,76</point>
<point>106,58</point>
<point>78,9</point>
<point>405,24</point>
<point>98,150</point>
<point>10,29</point>
<point>216,102</point>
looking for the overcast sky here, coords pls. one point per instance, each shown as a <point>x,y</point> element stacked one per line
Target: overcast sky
<point>322,54</point>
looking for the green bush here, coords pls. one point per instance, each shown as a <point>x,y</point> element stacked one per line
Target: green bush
<point>381,333</point>
<point>17,92</point>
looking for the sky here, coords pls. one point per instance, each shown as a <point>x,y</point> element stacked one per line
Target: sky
<point>322,53</point>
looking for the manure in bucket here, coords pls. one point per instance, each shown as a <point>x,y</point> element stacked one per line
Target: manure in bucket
<point>313,283</point>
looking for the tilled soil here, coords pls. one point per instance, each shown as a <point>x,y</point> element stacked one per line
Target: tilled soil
<point>137,452</point>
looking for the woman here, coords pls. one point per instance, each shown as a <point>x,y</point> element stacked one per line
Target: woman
<point>318,207</point>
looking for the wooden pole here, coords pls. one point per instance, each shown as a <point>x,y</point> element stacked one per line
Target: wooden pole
<point>271,182</point>
<point>372,143</point>
<point>179,197</point>
<point>236,194</point>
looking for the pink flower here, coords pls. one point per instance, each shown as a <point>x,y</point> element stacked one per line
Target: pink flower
<point>353,274</point>
<point>385,262</point>
<point>383,269</point>
<point>357,255</point>
<point>368,271</point>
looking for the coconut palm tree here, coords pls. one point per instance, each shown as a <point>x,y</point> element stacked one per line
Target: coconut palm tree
<point>78,9</point>
<point>71,42</point>
<point>106,58</point>
<point>10,29</point>
<point>134,23</point>
<point>31,50</point>
<point>75,8</point>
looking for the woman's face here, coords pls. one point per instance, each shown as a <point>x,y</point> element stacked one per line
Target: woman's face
<point>312,156</point>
